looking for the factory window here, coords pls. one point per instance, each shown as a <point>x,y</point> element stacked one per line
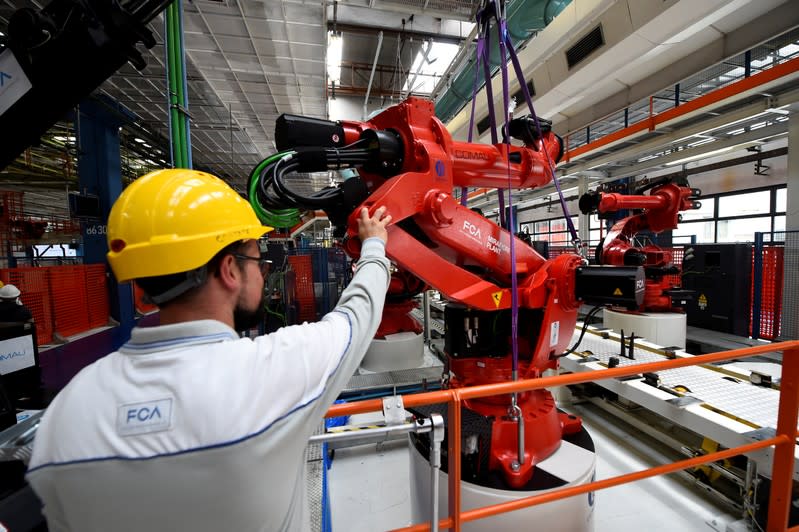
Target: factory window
<point>705,212</point>
<point>782,203</point>
<point>554,231</point>
<point>742,229</point>
<point>733,217</point>
<point>745,204</point>
<point>705,232</point>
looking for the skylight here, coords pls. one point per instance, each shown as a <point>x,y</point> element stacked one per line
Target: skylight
<point>429,65</point>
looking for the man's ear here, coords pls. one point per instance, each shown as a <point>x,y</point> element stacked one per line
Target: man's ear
<point>228,272</point>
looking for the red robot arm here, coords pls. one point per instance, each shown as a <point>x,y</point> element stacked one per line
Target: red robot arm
<point>660,212</point>
<point>416,166</point>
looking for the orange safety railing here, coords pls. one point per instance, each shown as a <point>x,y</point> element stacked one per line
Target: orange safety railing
<point>784,441</point>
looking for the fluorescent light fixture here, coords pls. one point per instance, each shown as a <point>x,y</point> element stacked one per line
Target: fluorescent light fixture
<point>701,156</point>
<point>335,43</point>
<point>140,141</point>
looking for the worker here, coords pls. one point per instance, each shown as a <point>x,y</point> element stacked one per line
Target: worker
<point>188,426</point>
<point>11,308</point>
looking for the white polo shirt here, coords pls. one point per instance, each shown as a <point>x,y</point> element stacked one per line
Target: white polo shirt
<point>189,427</point>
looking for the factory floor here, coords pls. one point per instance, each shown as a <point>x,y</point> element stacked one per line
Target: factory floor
<point>369,485</point>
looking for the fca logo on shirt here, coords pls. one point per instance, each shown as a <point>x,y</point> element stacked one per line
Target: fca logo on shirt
<point>143,414</point>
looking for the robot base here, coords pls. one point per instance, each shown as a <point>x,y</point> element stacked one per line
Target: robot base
<point>571,465</point>
<point>394,353</point>
<point>662,328</point>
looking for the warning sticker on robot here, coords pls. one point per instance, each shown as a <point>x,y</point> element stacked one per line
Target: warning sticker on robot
<point>702,302</point>
<point>617,292</point>
<point>497,297</point>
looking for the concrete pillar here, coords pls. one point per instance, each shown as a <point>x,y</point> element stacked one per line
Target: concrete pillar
<point>790,291</point>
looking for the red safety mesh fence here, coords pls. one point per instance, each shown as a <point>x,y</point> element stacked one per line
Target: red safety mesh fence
<point>64,300</point>
<point>554,251</point>
<point>677,255</point>
<point>34,284</point>
<point>304,289</point>
<point>770,292</point>
<point>97,295</point>
<point>70,304</point>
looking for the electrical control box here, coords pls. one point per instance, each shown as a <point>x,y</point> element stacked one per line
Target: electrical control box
<point>721,277</point>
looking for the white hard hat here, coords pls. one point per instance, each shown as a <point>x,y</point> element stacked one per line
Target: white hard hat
<point>9,291</point>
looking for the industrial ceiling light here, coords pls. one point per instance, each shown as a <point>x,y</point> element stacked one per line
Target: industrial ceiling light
<point>701,156</point>
<point>713,153</point>
<point>335,43</point>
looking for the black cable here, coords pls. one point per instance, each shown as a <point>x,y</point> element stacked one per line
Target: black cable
<point>588,317</point>
<point>274,190</point>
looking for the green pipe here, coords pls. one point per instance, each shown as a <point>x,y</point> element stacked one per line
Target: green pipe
<point>184,85</point>
<point>181,98</point>
<point>175,87</point>
<point>171,87</point>
<point>524,17</point>
<point>174,35</point>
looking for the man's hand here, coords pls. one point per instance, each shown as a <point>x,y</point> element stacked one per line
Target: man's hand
<point>374,226</point>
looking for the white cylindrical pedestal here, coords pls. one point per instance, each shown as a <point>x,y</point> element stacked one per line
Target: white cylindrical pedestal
<point>570,465</point>
<point>397,352</point>
<point>662,328</point>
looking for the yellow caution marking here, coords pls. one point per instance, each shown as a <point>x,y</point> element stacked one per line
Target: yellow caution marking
<point>617,292</point>
<point>497,297</point>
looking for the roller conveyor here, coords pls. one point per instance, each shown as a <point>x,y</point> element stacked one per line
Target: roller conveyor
<point>718,402</point>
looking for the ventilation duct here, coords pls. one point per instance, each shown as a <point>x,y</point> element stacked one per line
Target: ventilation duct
<point>525,18</point>
<point>585,46</point>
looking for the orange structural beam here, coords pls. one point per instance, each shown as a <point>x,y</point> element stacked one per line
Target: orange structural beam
<point>783,465</point>
<point>650,123</point>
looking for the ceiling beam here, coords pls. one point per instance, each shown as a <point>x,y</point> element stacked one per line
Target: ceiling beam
<point>389,32</point>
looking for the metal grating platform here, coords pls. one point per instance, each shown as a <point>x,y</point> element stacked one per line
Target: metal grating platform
<point>314,471</point>
<point>391,379</point>
<point>436,325</point>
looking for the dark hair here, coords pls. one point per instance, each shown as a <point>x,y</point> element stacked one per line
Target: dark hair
<point>160,284</point>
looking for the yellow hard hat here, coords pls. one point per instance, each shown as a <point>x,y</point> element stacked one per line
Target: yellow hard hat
<point>173,221</point>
